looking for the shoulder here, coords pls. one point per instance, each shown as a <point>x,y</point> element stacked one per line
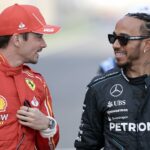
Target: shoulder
<point>106,76</point>
<point>32,73</point>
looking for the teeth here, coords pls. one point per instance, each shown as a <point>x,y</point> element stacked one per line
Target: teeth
<point>119,54</point>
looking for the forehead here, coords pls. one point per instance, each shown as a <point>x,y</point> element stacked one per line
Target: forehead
<point>128,25</point>
<point>35,35</point>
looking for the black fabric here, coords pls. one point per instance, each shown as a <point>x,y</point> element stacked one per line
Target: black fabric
<point>116,114</point>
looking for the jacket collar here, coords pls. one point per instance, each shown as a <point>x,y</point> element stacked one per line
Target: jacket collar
<point>9,70</point>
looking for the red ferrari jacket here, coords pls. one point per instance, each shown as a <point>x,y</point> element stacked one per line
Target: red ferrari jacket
<point>17,85</point>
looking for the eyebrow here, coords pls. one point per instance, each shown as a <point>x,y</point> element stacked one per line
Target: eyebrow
<point>38,35</point>
<point>121,34</point>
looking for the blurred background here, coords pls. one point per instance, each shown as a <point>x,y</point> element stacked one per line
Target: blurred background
<point>73,55</point>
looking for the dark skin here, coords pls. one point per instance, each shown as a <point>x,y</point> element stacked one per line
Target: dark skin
<point>134,56</point>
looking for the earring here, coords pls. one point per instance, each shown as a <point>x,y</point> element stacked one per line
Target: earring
<point>144,50</point>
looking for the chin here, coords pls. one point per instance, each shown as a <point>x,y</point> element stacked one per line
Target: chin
<point>32,62</point>
<point>121,64</point>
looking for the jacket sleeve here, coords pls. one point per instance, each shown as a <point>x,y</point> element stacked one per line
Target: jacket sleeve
<point>90,136</point>
<point>46,108</point>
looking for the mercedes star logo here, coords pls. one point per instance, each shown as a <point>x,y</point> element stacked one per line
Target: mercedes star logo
<point>116,90</point>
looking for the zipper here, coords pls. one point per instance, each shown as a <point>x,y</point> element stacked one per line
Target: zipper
<point>51,145</point>
<point>20,142</point>
<point>118,145</point>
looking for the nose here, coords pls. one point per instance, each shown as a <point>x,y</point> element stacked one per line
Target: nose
<point>116,44</point>
<point>43,44</point>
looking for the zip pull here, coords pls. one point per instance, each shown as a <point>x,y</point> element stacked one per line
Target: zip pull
<point>118,145</point>
<point>27,103</point>
<point>21,141</point>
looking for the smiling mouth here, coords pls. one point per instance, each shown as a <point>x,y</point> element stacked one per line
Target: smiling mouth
<point>120,54</point>
<point>39,50</point>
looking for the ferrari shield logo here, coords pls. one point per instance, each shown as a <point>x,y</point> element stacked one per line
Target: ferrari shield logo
<point>30,84</point>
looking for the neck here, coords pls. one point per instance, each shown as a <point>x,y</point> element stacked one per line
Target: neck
<point>138,69</point>
<point>12,60</point>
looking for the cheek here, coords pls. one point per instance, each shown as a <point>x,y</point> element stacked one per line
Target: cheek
<point>134,51</point>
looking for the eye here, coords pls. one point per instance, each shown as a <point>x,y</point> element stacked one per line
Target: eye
<point>123,40</point>
<point>37,35</point>
<point>111,38</point>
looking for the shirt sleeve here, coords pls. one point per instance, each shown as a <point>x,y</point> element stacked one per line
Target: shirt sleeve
<point>48,133</point>
<point>90,136</point>
<point>47,139</point>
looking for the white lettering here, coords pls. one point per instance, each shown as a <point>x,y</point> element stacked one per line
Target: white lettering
<point>3,117</point>
<point>119,102</point>
<point>142,126</point>
<point>118,127</point>
<point>48,30</point>
<point>124,126</point>
<point>117,110</point>
<point>119,118</point>
<point>111,126</point>
<point>148,126</point>
<point>131,127</point>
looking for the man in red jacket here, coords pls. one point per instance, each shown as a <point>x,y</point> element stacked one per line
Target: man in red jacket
<point>26,115</point>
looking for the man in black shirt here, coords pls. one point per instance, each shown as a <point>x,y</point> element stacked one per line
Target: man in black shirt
<point>116,110</point>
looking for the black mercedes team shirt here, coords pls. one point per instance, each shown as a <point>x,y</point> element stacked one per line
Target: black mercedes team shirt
<point>116,113</point>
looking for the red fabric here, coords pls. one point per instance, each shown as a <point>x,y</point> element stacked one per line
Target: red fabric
<point>17,85</point>
<point>24,18</point>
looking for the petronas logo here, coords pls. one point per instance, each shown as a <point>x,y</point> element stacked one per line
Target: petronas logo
<point>30,84</point>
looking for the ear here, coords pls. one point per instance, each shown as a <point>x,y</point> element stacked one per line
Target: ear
<point>147,46</point>
<point>16,40</point>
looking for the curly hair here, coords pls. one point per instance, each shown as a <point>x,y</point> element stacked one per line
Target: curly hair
<point>145,29</point>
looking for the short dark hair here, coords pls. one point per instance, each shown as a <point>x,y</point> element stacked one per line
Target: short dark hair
<point>25,36</point>
<point>145,29</point>
<point>4,40</point>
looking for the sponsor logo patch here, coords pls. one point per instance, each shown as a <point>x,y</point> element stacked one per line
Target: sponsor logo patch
<point>116,90</point>
<point>116,103</point>
<point>3,104</point>
<point>35,102</point>
<point>129,126</point>
<point>21,26</point>
<point>30,84</point>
